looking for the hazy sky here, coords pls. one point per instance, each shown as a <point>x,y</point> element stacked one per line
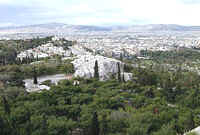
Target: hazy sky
<point>99,12</point>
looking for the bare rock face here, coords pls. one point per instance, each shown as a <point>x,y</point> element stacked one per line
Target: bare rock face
<point>30,87</point>
<point>127,76</point>
<point>84,67</point>
<point>195,131</point>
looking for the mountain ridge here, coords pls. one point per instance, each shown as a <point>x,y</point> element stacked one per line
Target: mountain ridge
<point>61,27</point>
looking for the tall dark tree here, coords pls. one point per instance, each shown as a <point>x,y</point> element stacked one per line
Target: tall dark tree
<point>37,58</point>
<point>104,126</point>
<point>6,105</point>
<point>121,56</point>
<point>191,122</point>
<point>96,70</point>
<point>95,130</point>
<point>123,78</point>
<point>2,126</point>
<point>35,81</point>
<point>28,125</point>
<point>5,127</point>
<point>149,93</point>
<point>119,72</point>
<point>44,125</point>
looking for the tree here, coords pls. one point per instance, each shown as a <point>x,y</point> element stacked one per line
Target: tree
<point>37,58</point>
<point>123,78</point>
<point>191,123</point>
<point>35,81</point>
<point>119,72</point>
<point>44,125</point>
<point>149,93</point>
<point>96,70</point>
<point>95,125</point>
<point>5,127</point>
<point>28,128</point>
<point>121,56</point>
<point>8,54</point>
<point>104,126</point>
<point>165,130</point>
<point>6,105</point>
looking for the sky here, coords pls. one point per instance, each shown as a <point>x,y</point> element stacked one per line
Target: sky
<point>99,12</point>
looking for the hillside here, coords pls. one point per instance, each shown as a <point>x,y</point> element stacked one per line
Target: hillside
<point>65,28</point>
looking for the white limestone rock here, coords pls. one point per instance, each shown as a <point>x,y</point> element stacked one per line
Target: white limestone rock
<point>84,67</point>
<point>196,131</point>
<point>127,76</point>
<point>30,87</point>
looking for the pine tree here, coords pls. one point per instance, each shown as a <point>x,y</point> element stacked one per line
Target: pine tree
<point>71,54</point>
<point>96,70</point>
<point>123,78</point>
<point>2,126</point>
<point>191,123</point>
<point>28,128</point>
<point>35,81</point>
<point>104,126</point>
<point>37,58</point>
<point>44,125</point>
<point>6,105</point>
<point>119,72</point>
<point>121,56</point>
<point>95,125</point>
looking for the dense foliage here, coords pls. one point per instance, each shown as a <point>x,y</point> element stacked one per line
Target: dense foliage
<point>175,56</point>
<point>161,99</point>
<point>155,103</point>
<point>13,75</point>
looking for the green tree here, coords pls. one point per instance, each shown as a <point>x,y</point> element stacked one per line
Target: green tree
<point>6,105</point>
<point>96,70</point>
<point>119,72</point>
<point>28,125</point>
<point>104,125</point>
<point>44,125</point>
<point>95,125</point>
<point>165,130</point>
<point>35,81</point>
<point>123,78</point>
<point>121,56</point>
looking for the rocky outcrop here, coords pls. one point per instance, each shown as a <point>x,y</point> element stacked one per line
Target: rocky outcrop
<point>30,87</point>
<point>196,131</point>
<point>127,76</point>
<point>84,67</point>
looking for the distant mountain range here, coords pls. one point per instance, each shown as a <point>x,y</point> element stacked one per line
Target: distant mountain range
<point>65,28</point>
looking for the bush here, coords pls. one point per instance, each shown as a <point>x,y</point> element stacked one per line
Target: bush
<point>165,130</point>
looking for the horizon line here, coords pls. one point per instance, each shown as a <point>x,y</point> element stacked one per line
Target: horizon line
<point>103,25</point>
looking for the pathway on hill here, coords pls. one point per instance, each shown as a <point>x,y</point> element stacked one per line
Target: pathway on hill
<point>30,87</point>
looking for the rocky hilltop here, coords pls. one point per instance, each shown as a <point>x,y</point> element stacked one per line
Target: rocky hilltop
<point>84,67</point>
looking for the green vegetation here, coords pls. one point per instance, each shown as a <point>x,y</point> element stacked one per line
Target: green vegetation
<point>176,56</point>
<point>9,49</point>
<point>193,133</point>
<point>154,103</point>
<point>119,72</point>
<point>13,75</point>
<point>35,81</point>
<point>8,54</point>
<point>96,70</point>
<point>159,100</point>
